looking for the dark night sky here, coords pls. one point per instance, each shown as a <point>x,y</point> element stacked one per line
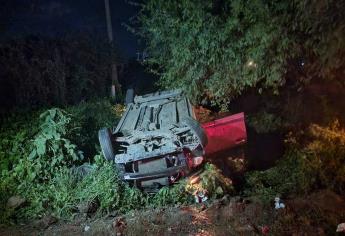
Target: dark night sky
<point>53,17</point>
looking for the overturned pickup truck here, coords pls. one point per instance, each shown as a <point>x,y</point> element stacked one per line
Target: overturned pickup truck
<point>158,139</point>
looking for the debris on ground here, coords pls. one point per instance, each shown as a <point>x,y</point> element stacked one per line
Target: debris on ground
<point>341,228</point>
<point>86,228</point>
<point>278,204</point>
<point>225,216</point>
<point>200,196</point>
<point>45,221</point>
<point>119,225</point>
<point>265,229</point>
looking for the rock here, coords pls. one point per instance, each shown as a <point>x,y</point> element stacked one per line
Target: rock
<point>113,213</point>
<point>79,218</point>
<point>225,199</point>
<point>88,207</point>
<point>45,222</point>
<point>15,202</point>
<point>235,199</point>
<point>83,207</point>
<point>244,228</point>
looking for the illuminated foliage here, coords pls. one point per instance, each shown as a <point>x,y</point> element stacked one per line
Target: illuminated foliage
<point>326,156</point>
<point>317,164</point>
<point>219,48</point>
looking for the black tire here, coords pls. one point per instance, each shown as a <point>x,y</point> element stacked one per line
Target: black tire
<point>129,96</point>
<point>105,137</point>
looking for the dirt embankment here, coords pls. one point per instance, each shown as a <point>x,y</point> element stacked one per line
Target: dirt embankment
<point>227,216</point>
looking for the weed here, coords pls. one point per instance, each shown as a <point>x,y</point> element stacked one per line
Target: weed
<point>87,119</point>
<point>325,157</point>
<point>176,194</point>
<point>287,177</point>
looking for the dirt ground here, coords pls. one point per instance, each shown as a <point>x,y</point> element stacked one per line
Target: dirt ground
<point>316,214</point>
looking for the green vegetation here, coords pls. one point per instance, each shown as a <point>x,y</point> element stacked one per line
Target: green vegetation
<point>37,160</point>
<point>215,183</point>
<point>41,163</point>
<point>325,157</point>
<point>306,166</point>
<point>40,71</point>
<point>286,178</point>
<point>210,180</point>
<point>264,122</point>
<point>87,119</point>
<point>218,49</point>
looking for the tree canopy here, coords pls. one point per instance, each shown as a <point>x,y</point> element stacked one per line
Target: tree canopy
<point>220,48</point>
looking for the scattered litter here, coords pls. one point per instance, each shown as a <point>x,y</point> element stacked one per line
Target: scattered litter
<point>200,196</point>
<point>341,227</point>
<point>119,224</point>
<point>278,204</point>
<point>265,229</point>
<point>86,228</point>
<point>245,228</point>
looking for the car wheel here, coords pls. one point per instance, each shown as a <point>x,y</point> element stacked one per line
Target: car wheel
<point>105,136</point>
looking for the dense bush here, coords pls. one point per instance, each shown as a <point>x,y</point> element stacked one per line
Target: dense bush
<point>325,157</point>
<point>40,71</point>
<point>14,133</point>
<point>88,118</point>
<point>287,177</point>
<point>37,154</point>
<point>46,155</point>
<point>220,48</point>
<point>307,165</point>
